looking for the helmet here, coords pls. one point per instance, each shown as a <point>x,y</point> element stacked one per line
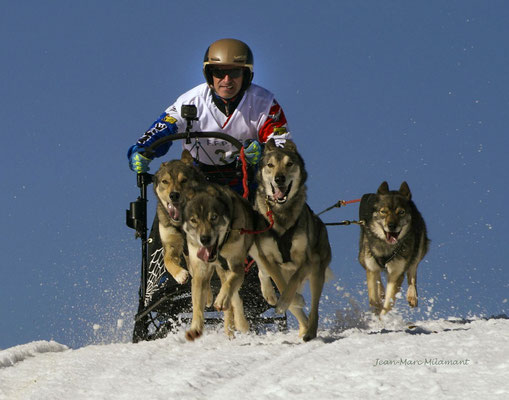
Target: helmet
<point>229,52</point>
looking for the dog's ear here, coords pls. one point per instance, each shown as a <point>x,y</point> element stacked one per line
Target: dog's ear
<point>190,192</point>
<point>384,188</point>
<point>404,190</point>
<point>210,189</point>
<point>186,157</point>
<point>221,194</point>
<point>290,145</point>
<point>270,145</point>
<point>155,177</point>
<point>227,199</point>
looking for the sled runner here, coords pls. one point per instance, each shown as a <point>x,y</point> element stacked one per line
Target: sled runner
<point>165,304</point>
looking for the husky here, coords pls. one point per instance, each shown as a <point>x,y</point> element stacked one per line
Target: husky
<point>297,247</point>
<point>213,218</point>
<point>393,238</point>
<point>171,184</point>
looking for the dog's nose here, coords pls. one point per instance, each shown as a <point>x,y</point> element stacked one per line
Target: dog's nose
<point>280,179</point>
<point>392,226</point>
<point>175,196</point>
<point>205,240</point>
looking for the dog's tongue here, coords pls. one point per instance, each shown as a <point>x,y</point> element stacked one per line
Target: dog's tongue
<point>204,253</point>
<point>391,237</point>
<point>174,212</point>
<point>279,194</point>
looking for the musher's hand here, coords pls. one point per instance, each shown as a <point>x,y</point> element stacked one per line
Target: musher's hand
<point>252,151</point>
<point>139,163</point>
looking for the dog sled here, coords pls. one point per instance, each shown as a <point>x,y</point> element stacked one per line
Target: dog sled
<point>165,304</point>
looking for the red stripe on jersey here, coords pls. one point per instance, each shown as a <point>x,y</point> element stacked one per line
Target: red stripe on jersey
<point>227,120</point>
<point>275,119</point>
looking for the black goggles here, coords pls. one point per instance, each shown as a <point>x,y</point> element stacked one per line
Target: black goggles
<point>231,72</point>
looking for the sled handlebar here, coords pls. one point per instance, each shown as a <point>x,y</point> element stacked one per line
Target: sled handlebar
<point>149,151</point>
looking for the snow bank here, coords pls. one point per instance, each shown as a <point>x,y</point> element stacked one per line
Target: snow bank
<point>430,359</point>
<point>16,354</point>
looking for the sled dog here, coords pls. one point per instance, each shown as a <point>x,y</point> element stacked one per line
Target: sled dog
<point>171,183</point>
<point>393,238</point>
<point>213,218</point>
<point>297,247</point>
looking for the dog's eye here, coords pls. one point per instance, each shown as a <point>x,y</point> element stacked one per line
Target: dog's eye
<point>213,217</point>
<point>400,212</point>
<point>382,211</point>
<point>184,180</point>
<point>270,165</point>
<point>289,164</point>
<point>165,181</point>
<point>193,220</point>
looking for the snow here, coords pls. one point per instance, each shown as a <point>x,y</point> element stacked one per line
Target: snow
<point>366,358</point>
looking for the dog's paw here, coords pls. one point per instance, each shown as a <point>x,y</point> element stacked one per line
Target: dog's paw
<point>269,294</point>
<point>411,296</point>
<point>375,306</point>
<point>223,302</point>
<point>282,306</point>
<point>242,324</point>
<point>182,277</point>
<point>193,334</point>
<point>229,324</point>
<point>303,329</point>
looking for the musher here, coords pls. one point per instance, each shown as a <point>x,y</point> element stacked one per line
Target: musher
<point>227,102</point>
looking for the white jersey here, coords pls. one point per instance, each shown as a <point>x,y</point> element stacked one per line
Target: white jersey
<point>258,117</point>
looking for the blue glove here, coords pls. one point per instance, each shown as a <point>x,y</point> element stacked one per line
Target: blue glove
<point>252,151</point>
<point>139,163</point>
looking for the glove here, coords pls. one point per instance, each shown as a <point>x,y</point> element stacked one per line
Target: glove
<point>252,151</point>
<point>139,163</point>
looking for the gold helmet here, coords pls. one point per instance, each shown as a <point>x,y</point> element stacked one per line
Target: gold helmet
<point>229,52</point>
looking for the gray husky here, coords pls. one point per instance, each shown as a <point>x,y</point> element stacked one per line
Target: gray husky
<point>394,239</point>
<point>213,218</point>
<point>297,247</point>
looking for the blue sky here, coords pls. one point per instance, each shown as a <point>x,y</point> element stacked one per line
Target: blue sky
<point>373,91</point>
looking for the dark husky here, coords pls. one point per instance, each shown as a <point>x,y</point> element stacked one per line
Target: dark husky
<point>171,183</point>
<point>297,247</point>
<point>213,219</point>
<point>394,239</point>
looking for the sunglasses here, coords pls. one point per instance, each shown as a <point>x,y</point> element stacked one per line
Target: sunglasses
<point>221,73</point>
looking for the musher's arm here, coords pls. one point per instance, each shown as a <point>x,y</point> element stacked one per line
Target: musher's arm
<point>165,125</point>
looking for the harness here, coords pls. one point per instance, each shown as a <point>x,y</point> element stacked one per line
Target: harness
<point>383,261</point>
<point>284,242</point>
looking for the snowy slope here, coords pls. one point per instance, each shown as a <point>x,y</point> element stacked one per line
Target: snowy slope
<point>440,359</point>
